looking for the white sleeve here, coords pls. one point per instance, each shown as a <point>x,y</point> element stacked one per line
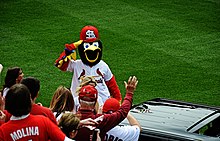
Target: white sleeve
<point>71,65</point>
<point>133,133</point>
<point>76,104</point>
<point>68,139</point>
<point>126,133</point>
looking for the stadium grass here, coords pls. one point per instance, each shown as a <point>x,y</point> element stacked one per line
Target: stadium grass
<point>171,46</point>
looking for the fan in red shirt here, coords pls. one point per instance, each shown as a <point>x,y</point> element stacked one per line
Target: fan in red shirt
<point>22,125</point>
<point>33,85</point>
<point>88,98</point>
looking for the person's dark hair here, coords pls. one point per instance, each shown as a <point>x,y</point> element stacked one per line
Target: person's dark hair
<point>11,76</point>
<point>33,85</point>
<point>18,100</point>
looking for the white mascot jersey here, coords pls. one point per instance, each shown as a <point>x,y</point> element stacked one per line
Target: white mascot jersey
<point>101,72</point>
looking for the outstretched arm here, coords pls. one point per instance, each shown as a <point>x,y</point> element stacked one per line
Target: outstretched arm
<point>111,120</point>
<point>68,54</point>
<point>88,121</point>
<point>133,121</point>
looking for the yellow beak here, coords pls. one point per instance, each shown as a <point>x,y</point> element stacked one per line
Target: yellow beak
<point>92,48</point>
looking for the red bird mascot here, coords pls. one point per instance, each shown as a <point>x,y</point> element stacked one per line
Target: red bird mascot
<point>90,64</point>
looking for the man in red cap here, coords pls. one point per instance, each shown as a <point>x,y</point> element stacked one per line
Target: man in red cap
<point>111,105</point>
<point>121,133</point>
<point>90,64</point>
<point>88,98</point>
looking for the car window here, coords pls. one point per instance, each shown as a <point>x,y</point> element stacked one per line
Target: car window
<point>211,129</point>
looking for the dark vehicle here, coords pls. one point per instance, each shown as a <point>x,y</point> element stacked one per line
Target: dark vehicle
<point>170,120</point>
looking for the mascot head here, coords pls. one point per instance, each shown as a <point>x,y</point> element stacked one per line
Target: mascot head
<point>90,51</point>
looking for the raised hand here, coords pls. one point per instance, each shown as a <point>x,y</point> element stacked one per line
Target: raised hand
<point>130,86</point>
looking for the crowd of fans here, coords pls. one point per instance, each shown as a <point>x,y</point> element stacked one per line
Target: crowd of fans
<point>81,118</point>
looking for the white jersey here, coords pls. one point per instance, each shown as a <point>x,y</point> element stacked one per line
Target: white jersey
<point>123,133</point>
<point>101,72</point>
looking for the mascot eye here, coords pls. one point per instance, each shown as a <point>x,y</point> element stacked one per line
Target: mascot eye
<point>95,44</point>
<point>86,45</point>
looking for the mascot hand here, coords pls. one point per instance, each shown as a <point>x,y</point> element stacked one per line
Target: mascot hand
<point>70,48</point>
<point>68,54</point>
<point>73,46</point>
<point>71,56</point>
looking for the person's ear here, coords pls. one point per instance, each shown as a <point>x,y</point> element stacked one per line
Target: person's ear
<point>72,134</point>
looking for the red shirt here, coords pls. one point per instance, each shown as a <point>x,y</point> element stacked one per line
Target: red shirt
<point>41,110</point>
<point>36,110</point>
<point>8,115</point>
<point>32,127</point>
<point>106,123</point>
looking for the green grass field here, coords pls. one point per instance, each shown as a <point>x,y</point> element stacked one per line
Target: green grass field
<point>172,46</point>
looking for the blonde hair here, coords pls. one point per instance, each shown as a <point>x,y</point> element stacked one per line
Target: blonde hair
<point>69,122</point>
<point>62,100</point>
<point>86,80</point>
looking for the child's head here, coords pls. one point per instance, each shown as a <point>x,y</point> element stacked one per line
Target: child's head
<point>86,80</point>
<point>69,124</point>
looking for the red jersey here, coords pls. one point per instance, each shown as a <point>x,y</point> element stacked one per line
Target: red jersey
<point>41,110</point>
<point>36,110</point>
<point>31,128</point>
<point>107,122</point>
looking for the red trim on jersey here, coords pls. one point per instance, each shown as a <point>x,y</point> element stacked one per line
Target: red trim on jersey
<point>113,88</point>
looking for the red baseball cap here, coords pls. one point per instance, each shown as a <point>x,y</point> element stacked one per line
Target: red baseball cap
<point>111,105</point>
<point>88,93</point>
<point>89,34</point>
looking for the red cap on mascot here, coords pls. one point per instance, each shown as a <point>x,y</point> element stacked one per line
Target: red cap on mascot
<point>89,34</point>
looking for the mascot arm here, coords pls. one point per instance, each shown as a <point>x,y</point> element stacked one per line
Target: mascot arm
<point>68,54</point>
<point>113,89</point>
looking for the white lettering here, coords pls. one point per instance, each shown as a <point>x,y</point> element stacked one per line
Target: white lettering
<point>24,132</point>
<point>36,131</point>
<point>27,132</point>
<point>24,135</point>
<point>31,130</point>
<point>19,133</point>
<point>14,136</point>
<point>90,34</point>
